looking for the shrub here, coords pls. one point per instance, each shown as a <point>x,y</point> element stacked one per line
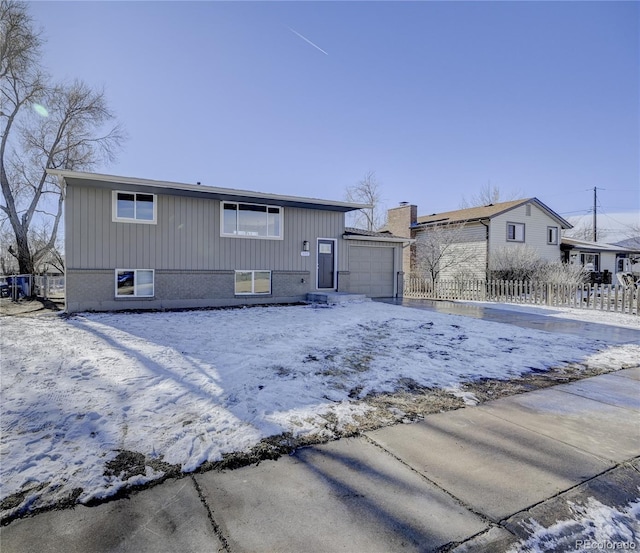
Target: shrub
<point>521,262</point>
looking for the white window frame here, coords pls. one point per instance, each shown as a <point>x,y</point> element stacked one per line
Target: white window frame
<point>515,232</point>
<point>554,238</point>
<point>253,236</point>
<point>596,261</point>
<point>114,202</point>
<point>135,287</point>
<point>253,282</point>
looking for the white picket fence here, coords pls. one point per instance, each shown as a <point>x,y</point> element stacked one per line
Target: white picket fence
<point>49,287</point>
<point>603,297</point>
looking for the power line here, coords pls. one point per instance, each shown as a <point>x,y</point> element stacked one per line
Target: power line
<point>585,211</point>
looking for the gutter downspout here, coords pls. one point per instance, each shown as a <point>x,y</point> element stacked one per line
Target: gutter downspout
<point>400,275</point>
<point>486,265</point>
<point>63,191</point>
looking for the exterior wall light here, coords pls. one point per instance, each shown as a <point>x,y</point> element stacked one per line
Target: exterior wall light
<point>305,246</point>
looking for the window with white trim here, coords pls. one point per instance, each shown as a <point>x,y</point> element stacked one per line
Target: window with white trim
<point>251,220</point>
<point>134,283</point>
<point>515,232</point>
<point>552,235</point>
<point>134,207</point>
<point>590,261</point>
<point>252,282</point>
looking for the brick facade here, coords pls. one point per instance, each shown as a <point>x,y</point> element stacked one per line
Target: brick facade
<point>94,290</point>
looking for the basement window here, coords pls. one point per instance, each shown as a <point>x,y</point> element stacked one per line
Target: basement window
<point>134,283</point>
<point>253,282</point>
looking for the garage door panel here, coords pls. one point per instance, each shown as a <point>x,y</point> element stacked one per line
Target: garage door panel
<point>371,270</point>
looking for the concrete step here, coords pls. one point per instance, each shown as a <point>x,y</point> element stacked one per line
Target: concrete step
<point>333,298</point>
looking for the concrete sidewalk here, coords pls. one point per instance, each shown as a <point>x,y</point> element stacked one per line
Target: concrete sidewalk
<point>462,481</point>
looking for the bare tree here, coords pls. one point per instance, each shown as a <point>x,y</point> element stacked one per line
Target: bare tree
<point>367,191</point>
<point>44,126</point>
<point>445,249</point>
<point>583,230</point>
<point>489,194</point>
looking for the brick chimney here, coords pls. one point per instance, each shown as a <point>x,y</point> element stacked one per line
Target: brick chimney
<point>399,222</point>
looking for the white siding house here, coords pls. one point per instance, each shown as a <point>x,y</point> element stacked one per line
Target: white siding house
<point>530,224</point>
<point>606,260</point>
<point>468,238</point>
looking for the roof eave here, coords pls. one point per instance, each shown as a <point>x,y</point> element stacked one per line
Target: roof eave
<point>394,239</point>
<point>94,179</point>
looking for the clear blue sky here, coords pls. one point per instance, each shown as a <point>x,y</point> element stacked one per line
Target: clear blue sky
<point>437,98</point>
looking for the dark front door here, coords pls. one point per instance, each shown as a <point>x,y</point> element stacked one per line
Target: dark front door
<point>326,263</point>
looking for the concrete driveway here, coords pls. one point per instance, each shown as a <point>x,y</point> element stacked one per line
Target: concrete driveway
<point>537,321</point>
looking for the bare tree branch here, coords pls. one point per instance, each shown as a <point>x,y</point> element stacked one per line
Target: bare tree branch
<point>367,191</point>
<point>72,128</point>
<point>489,194</point>
<point>441,248</point>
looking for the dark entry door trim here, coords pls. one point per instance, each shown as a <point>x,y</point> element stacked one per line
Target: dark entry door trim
<point>326,274</point>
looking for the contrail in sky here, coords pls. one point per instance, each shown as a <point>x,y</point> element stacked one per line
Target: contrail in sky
<point>307,40</point>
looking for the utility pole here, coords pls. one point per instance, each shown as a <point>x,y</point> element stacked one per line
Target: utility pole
<point>595,214</point>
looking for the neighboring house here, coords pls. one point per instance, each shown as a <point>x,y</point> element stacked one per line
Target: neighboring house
<point>632,244</point>
<point>143,244</point>
<point>470,236</point>
<point>601,258</point>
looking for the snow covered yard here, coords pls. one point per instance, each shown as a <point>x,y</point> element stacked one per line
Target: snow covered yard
<point>97,402</point>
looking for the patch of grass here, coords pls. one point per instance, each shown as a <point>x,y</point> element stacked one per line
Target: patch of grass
<point>410,403</point>
<point>131,463</point>
<point>487,389</point>
<point>16,499</point>
<point>359,361</point>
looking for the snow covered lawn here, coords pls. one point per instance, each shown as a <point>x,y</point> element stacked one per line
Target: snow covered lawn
<point>96,402</point>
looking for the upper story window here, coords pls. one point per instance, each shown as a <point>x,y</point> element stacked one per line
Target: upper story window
<point>515,232</point>
<point>552,235</point>
<point>134,207</point>
<point>251,220</point>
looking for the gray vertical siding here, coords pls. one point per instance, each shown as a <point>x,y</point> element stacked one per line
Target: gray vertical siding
<point>187,237</point>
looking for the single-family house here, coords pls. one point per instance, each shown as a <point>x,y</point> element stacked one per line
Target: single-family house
<point>135,243</point>
<point>603,261</point>
<point>466,239</point>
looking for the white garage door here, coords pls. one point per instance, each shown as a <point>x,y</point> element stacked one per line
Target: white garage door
<point>371,271</point>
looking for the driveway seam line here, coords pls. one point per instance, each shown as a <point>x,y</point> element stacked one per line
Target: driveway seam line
<point>216,528</point>
<point>610,469</point>
<point>459,501</point>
